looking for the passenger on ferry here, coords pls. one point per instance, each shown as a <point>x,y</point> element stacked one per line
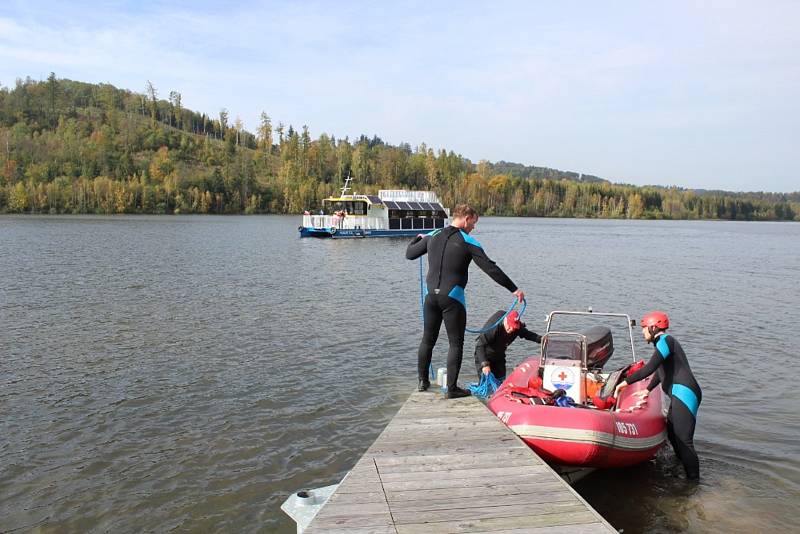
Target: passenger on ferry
<point>490,347</point>
<point>450,251</point>
<point>678,382</point>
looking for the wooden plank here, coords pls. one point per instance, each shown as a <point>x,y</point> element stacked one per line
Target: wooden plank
<point>357,497</point>
<point>395,449</point>
<point>354,509</point>
<point>554,509</point>
<point>451,466</point>
<point>448,503</point>
<point>499,488</point>
<point>442,483</point>
<point>441,424</point>
<point>425,464</point>
<point>584,528</point>
<point>497,455</point>
<point>378,522</point>
<point>355,486</point>
<point>523,523</point>
<point>459,472</point>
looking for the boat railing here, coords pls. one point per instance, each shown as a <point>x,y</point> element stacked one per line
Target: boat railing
<point>408,196</point>
<point>630,323</point>
<point>348,222</point>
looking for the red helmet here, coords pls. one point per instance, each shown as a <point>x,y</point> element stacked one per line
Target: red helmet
<point>512,319</point>
<point>657,319</point>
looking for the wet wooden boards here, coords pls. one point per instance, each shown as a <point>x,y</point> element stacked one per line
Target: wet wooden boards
<point>446,466</point>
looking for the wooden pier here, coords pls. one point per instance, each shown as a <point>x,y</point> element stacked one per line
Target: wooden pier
<point>444,466</point>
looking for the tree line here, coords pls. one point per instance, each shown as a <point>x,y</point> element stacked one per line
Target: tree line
<point>73,147</point>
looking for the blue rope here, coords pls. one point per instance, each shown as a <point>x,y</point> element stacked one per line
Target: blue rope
<point>421,294</point>
<point>486,387</point>
<point>500,320</point>
<point>431,373</point>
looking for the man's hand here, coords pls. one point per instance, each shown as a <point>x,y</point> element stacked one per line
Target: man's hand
<point>486,369</point>
<point>622,385</point>
<point>519,294</point>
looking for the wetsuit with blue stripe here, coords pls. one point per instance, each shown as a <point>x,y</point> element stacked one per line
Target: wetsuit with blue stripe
<point>450,251</point>
<point>677,381</point>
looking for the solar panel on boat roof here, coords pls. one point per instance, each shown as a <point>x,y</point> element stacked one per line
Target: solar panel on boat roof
<point>391,205</point>
<point>415,206</point>
<point>374,199</point>
<point>403,205</point>
<point>436,206</point>
<point>426,206</point>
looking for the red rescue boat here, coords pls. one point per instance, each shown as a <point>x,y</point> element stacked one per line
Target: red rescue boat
<point>558,402</point>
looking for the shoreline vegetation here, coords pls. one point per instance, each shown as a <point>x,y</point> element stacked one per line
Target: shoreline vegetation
<point>68,147</point>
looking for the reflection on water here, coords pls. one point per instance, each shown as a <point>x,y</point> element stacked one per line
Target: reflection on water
<point>191,372</point>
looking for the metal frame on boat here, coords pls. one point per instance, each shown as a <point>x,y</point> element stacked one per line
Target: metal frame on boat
<point>630,322</point>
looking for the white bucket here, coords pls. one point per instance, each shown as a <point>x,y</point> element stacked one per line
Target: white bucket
<point>443,382</point>
<point>441,373</point>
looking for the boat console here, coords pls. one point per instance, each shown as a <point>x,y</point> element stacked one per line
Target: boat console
<point>573,361</point>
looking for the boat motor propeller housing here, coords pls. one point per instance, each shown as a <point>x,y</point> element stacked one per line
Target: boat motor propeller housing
<point>600,346</point>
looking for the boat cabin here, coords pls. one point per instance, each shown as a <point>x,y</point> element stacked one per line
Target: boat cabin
<point>401,215</point>
<point>415,215</point>
<point>360,205</point>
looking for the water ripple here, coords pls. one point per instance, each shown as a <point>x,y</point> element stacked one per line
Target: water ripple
<point>188,373</point>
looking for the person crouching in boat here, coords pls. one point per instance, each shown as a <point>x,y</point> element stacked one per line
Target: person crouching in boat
<point>678,382</point>
<point>490,347</point>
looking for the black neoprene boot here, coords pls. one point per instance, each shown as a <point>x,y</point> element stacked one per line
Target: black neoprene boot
<point>423,385</point>
<point>456,393</point>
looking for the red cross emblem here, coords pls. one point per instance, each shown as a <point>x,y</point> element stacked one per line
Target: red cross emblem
<point>562,378</point>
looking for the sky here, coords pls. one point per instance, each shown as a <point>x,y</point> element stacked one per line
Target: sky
<point>700,95</point>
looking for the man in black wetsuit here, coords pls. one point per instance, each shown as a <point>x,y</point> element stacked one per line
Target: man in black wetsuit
<point>450,252</point>
<point>677,381</point>
<point>490,347</point>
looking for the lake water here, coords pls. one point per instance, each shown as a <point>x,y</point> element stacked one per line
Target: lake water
<point>189,373</point>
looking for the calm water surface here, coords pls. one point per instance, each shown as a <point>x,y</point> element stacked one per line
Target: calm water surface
<point>189,373</point>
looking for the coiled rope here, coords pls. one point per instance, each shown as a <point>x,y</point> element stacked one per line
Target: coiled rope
<point>486,387</point>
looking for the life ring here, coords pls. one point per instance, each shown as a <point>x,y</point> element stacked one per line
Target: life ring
<point>333,230</point>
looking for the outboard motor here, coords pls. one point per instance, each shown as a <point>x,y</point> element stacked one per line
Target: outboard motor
<point>600,346</point>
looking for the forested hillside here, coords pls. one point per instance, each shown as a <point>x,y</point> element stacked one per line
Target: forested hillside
<point>73,147</point>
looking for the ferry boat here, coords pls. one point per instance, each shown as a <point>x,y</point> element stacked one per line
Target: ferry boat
<point>390,213</point>
<point>594,430</point>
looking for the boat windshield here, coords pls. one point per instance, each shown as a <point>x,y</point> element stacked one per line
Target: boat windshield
<point>353,207</point>
<point>562,347</point>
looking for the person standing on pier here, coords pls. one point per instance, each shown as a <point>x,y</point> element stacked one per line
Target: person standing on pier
<point>450,251</point>
<point>678,382</point>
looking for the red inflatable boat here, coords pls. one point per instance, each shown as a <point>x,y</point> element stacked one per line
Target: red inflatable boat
<point>560,402</point>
